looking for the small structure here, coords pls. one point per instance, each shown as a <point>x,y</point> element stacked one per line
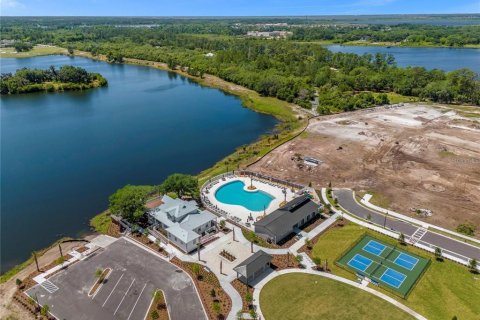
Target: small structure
<point>209,55</point>
<point>253,266</point>
<point>183,222</point>
<point>283,221</point>
<point>311,161</point>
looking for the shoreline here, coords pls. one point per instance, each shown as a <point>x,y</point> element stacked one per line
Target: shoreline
<point>383,44</point>
<point>284,112</point>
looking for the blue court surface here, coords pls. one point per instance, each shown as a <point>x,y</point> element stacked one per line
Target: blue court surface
<point>406,261</point>
<point>360,262</point>
<point>393,278</point>
<point>374,247</point>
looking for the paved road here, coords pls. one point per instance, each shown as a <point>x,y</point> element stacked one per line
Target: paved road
<point>431,239</point>
<point>127,293</point>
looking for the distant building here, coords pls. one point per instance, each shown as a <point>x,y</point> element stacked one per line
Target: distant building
<point>283,221</point>
<point>6,43</point>
<point>253,266</point>
<point>210,54</point>
<point>268,34</point>
<point>183,222</point>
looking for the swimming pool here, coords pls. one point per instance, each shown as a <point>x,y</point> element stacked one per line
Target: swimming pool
<point>234,193</point>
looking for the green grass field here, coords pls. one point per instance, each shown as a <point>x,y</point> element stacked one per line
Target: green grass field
<point>306,296</point>
<point>384,261</point>
<point>446,289</point>
<point>36,51</point>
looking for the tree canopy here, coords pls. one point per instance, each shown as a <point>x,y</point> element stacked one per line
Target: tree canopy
<point>181,184</point>
<point>129,202</point>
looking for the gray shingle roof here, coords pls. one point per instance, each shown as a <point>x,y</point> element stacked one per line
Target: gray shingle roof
<point>281,220</point>
<point>253,263</point>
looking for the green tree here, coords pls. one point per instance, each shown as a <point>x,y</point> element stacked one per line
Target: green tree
<point>98,272</point>
<point>21,46</point>
<point>129,202</point>
<point>438,254</point>
<point>196,270</point>
<point>182,184</point>
<point>472,266</point>
<point>45,309</point>
<point>18,282</point>
<point>467,228</point>
<point>401,238</point>
<point>216,307</point>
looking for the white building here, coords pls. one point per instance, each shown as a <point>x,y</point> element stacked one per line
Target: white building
<point>183,222</point>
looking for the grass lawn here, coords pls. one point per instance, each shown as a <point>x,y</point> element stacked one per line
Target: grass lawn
<point>445,290</point>
<point>306,296</point>
<point>101,222</point>
<point>36,51</point>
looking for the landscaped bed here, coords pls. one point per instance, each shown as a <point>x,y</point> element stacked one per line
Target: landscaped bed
<point>152,245</point>
<point>216,302</point>
<point>446,289</point>
<point>158,309</point>
<point>102,275</point>
<point>307,296</point>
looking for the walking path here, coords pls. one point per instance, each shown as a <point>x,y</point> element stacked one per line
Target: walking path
<point>418,236</point>
<point>260,285</point>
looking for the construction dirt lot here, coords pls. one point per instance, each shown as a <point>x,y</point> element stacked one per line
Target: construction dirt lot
<point>412,156</point>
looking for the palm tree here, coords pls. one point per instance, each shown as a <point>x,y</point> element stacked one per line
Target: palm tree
<point>98,272</point>
<point>196,270</point>
<point>308,243</point>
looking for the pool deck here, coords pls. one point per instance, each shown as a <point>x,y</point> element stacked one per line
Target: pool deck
<point>241,212</point>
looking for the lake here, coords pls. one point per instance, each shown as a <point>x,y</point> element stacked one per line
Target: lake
<point>63,154</point>
<point>447,59</point>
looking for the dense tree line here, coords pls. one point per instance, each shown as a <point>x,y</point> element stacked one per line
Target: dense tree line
<point>289,70</point>
<point>406,33</point>
<point>66,78</point>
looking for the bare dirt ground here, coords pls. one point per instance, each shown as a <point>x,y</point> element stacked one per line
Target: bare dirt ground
<point>9,309</point>
<point>412,156</point>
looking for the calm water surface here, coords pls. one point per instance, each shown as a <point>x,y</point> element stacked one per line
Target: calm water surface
<point>63,154</point>
<point>431,58</point>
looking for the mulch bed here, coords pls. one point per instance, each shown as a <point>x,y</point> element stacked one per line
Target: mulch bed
<point>159,305</point>
<point>205,282</point>
<point>284,261</point>
<point>152,245</point>
<point>242,290</point>
<point>81,249</point>
<point>114,230</point>
<point>99,281</point>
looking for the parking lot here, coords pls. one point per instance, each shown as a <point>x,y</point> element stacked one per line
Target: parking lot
<point>127,292</point>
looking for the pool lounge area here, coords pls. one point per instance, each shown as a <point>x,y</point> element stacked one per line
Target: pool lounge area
<point>231,196</point>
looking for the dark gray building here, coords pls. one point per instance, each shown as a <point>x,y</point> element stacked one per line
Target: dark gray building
<point>282,222</point>
<point>253,266</point>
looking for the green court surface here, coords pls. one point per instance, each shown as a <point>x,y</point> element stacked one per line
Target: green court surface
<point>388,266</point>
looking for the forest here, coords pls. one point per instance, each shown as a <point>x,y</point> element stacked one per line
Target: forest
<point>294,71</point>
<point>33,80</point>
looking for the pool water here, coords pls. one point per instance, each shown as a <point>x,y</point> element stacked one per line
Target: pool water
<point>234,193</point>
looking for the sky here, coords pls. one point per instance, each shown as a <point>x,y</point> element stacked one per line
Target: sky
<point>231,7</point>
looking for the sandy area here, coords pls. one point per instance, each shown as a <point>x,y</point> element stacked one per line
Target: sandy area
<point>10,310</point>
<point>413,156</point>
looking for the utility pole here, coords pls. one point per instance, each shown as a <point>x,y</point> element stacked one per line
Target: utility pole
<point>251,247</point>
<point>36,261</point>
<point>221,266</point>
<point>198,250</point>
<point>233,233</point>
<point>385,221</point>
<point>60,248</point>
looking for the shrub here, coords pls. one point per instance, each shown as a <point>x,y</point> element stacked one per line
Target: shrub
<point>467,228</point>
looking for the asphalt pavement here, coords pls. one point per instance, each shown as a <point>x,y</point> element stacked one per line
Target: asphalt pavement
<point>454,247</point>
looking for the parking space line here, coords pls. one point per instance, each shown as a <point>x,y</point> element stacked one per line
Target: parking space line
<point>136,301</point>
<point>103,305</point>
<point>124,296</point>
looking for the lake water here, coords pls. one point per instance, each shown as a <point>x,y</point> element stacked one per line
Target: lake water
<point>447,59</point>
<point>63,154</point>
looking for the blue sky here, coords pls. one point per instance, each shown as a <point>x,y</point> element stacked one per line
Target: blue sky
<point>231,7</point>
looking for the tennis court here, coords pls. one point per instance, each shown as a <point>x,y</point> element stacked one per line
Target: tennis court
<point>385,265</point>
